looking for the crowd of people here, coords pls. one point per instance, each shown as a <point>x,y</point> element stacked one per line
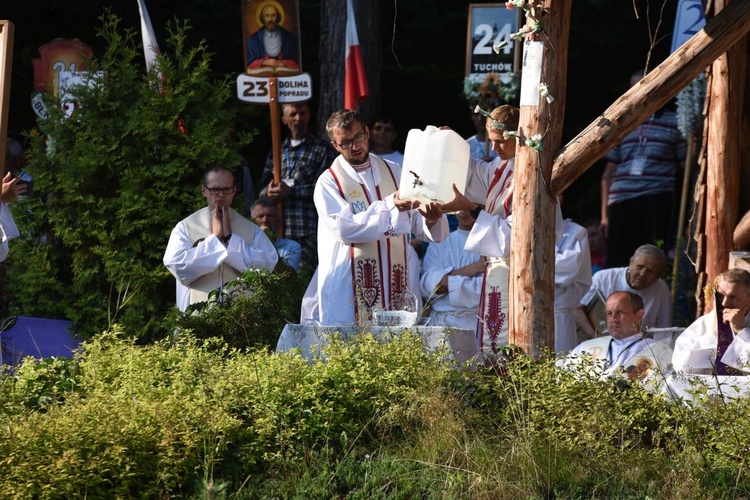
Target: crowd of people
<point>337,216</point>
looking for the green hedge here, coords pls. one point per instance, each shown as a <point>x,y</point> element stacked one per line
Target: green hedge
<point>194,417</point>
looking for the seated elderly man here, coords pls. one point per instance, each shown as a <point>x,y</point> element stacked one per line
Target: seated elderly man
<point>640,277</point>
<point>265,213</point>
<point>625,351</point>
<point>719,342</point>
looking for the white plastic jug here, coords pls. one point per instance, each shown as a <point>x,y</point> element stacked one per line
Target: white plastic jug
<point>434,160</point>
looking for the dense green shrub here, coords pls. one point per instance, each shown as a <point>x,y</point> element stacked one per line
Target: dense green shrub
<point>253,314</point>
<point>147,421</point>
<point>111,181</point>
<point>194,418</point>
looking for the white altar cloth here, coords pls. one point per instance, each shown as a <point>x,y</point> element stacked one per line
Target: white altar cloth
<point>312,339</point>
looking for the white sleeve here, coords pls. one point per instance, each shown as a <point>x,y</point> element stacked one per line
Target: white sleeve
<point>187,262</point>
<point>8,230</point>
<point>738,353</point>
<point>259,253</point>
<point>379,219</point>
<point>571,260</point>
<point>490,235</point>
<point>695,348</point>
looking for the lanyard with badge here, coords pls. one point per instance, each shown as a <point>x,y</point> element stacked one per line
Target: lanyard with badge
<point>291,163</point>
<point>638,164</point>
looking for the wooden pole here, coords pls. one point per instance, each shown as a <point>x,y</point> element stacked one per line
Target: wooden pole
<point>532,267</point>
<point>689,160</point>
<point>723,150</point>
<point>650,94</point>
<point>275,110</point>
<point>6,66</point>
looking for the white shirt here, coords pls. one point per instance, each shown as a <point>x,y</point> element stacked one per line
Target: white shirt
<point>656,299</point>
<point>338,227</point>
<point>695,348</point>
<point>8,230</point>
<point>457,308</point>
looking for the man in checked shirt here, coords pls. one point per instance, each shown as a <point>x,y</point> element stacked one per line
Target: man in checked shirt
<point>303,158</point>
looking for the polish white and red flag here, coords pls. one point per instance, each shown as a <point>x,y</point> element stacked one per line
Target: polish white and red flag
<point>150,47</point>
<point>355,81</point>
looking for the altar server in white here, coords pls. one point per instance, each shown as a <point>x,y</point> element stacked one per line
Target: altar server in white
<point>572,281</point>
<point>363,229</point>
<point>452,278</point>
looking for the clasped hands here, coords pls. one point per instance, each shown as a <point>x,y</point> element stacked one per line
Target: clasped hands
<point>221,222</point>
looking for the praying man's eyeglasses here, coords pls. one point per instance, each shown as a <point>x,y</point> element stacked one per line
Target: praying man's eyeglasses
<point>215,191</point>
<point>354,140</point>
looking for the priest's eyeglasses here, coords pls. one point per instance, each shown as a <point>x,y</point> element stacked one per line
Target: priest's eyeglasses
<point>354,140</point>
<point>216,191</point>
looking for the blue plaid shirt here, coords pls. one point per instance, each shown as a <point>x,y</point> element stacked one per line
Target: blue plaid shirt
<point>304,163</point>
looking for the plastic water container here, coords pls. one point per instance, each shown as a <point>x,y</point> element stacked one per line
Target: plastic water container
<point>434,160</point>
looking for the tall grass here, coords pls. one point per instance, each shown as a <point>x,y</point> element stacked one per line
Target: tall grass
<point>200,420</point>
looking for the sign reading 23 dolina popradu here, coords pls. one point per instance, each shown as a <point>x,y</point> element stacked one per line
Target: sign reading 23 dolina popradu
<point>272,48</point>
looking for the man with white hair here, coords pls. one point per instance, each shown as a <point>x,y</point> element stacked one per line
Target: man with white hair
<point>640,277</point>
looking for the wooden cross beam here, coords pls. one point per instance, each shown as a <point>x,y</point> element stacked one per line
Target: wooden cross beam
<point>650,94</point>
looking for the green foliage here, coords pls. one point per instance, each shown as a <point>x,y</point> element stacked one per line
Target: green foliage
<point>164,419</point>
<point>253,313</point>
<point>194,418</point>
<point>111,182</point>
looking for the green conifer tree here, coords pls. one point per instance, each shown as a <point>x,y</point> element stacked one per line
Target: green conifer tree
<point>112,180</point>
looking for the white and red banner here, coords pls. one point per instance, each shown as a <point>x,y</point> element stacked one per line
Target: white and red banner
<point>355,81</point>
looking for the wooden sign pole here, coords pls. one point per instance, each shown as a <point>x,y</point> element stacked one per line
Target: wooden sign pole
<point>6,65</point>
<point>275,110</point>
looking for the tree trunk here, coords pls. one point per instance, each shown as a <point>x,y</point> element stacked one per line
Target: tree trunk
<point>532,268</point>
<point>650,94</point>
<point>333,17</point>
<point>724,122</point>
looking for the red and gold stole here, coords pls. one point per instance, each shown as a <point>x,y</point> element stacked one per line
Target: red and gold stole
<point>492,322</point>
<point>366,258</point>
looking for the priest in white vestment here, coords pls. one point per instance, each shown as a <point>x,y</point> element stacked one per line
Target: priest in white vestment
<point>452,278</point>
<point>695,350</point>
<point>215,244</point>
<point>626,352</point>
<point>363,228</point>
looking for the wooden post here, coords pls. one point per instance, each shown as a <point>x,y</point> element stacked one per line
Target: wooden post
<point>532,267</point>
<point>6,66</point>
<point>275,110</point>
<point>723,122</point>
<point>650,94</point>
<point>687,170</point>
